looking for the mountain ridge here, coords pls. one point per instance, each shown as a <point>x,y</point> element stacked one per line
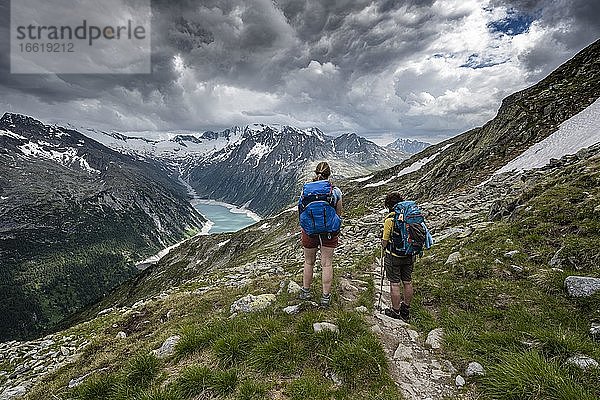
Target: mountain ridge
<point>68,204</point>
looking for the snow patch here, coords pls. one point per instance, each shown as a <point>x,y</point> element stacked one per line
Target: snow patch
<point>259,151</point>
<point>414,167</point>
<point>68,157</point>
<point>578,132</point>
<point>12,135</point>
<point>223,243</point>
<point>363,179</point>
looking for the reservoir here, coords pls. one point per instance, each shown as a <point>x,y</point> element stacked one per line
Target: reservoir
<point>224,217</point>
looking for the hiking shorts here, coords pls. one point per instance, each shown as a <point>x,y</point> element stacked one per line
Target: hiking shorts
<point>398,269</point>
<point>314,241</point>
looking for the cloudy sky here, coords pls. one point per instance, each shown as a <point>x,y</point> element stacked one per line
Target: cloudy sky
<point>381,68</point>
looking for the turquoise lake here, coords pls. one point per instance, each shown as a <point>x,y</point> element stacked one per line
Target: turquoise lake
<point>224,218</point>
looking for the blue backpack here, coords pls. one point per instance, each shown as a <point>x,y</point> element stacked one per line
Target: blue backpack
<point>410,234</point>
<point>316,208</point>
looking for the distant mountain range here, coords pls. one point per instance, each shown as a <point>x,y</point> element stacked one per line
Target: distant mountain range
<point>74,216</point>
<point>258,166</point>
<point>408,146</point>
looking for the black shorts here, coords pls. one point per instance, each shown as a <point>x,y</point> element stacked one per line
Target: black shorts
<point>398,269</point>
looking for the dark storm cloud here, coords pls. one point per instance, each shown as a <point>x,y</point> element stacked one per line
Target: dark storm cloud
<point>359,65</point>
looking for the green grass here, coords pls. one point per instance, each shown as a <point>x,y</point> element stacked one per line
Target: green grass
<point>530,376</point>
<point>519,323</point>
<point>142,369</point>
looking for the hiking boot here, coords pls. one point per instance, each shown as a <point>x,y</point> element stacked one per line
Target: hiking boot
<point>390,312</point>
<point>326,300</point>
<point>305,294</point>
<point>404,312</point>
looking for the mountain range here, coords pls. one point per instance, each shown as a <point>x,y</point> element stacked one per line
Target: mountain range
<point>259,166</point>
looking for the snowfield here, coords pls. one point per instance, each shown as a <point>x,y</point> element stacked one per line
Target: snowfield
<point>414,167</point>
<point>580,131</point>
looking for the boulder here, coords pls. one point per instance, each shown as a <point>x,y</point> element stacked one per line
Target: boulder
<point>293,288</point>
<point>511,254</point>
<point>459,381</point>
<point>582,286</point>
<point>168,347</point>
<point>325,326</point>
<point>582,361</point>
<point>251,303</point>
<point>121,335</point>
<point>474,369</point>
<point>595,330</point>
<point>435,338</point>
<point>361,309</point>
<point>453,258</point>
<point>13,393</point>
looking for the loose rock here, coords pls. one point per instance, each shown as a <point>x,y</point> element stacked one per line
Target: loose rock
<point>293,288</point>
<point>13,393</point>
<point>474,369</point>
<point>582,286</point>
<point>453,258</point>
<point>325,326</point>
<point>291,310</point>
<point>434,339</point>
<point>583,362</point>
<point>168,347</point>
<point>595,330</point>
<point>251,303</point>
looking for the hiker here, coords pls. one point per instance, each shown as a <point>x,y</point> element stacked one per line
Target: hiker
<point>320,209</point>
<point>403,239</point>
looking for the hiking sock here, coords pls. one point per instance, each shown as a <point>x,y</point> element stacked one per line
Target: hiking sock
<point>326,299</point>
<point>305,293</point>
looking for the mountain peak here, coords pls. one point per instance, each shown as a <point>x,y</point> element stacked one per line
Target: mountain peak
<point>408,145</point>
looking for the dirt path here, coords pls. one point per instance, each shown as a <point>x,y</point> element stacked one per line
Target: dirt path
<point>421,373</point>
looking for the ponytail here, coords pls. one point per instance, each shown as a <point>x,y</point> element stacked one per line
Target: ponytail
<point>322,171</point>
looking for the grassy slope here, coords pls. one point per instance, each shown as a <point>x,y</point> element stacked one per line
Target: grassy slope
<point>265,355</point>
<point>511,313</point>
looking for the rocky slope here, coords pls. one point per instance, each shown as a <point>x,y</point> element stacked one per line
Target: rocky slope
<point>74,216</point>
<point>525,118</point>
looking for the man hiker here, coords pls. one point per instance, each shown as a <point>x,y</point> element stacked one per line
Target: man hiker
<point>404,237</point>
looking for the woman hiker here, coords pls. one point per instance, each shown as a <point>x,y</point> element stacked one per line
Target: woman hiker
<point>320,209</point>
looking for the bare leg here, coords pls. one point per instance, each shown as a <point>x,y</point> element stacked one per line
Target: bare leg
<point>408,292</point>
<point>327,265</point>
<point>310,257</point>
<point>395,295</point>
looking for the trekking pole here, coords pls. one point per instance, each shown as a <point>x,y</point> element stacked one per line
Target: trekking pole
<point>381,284</point>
